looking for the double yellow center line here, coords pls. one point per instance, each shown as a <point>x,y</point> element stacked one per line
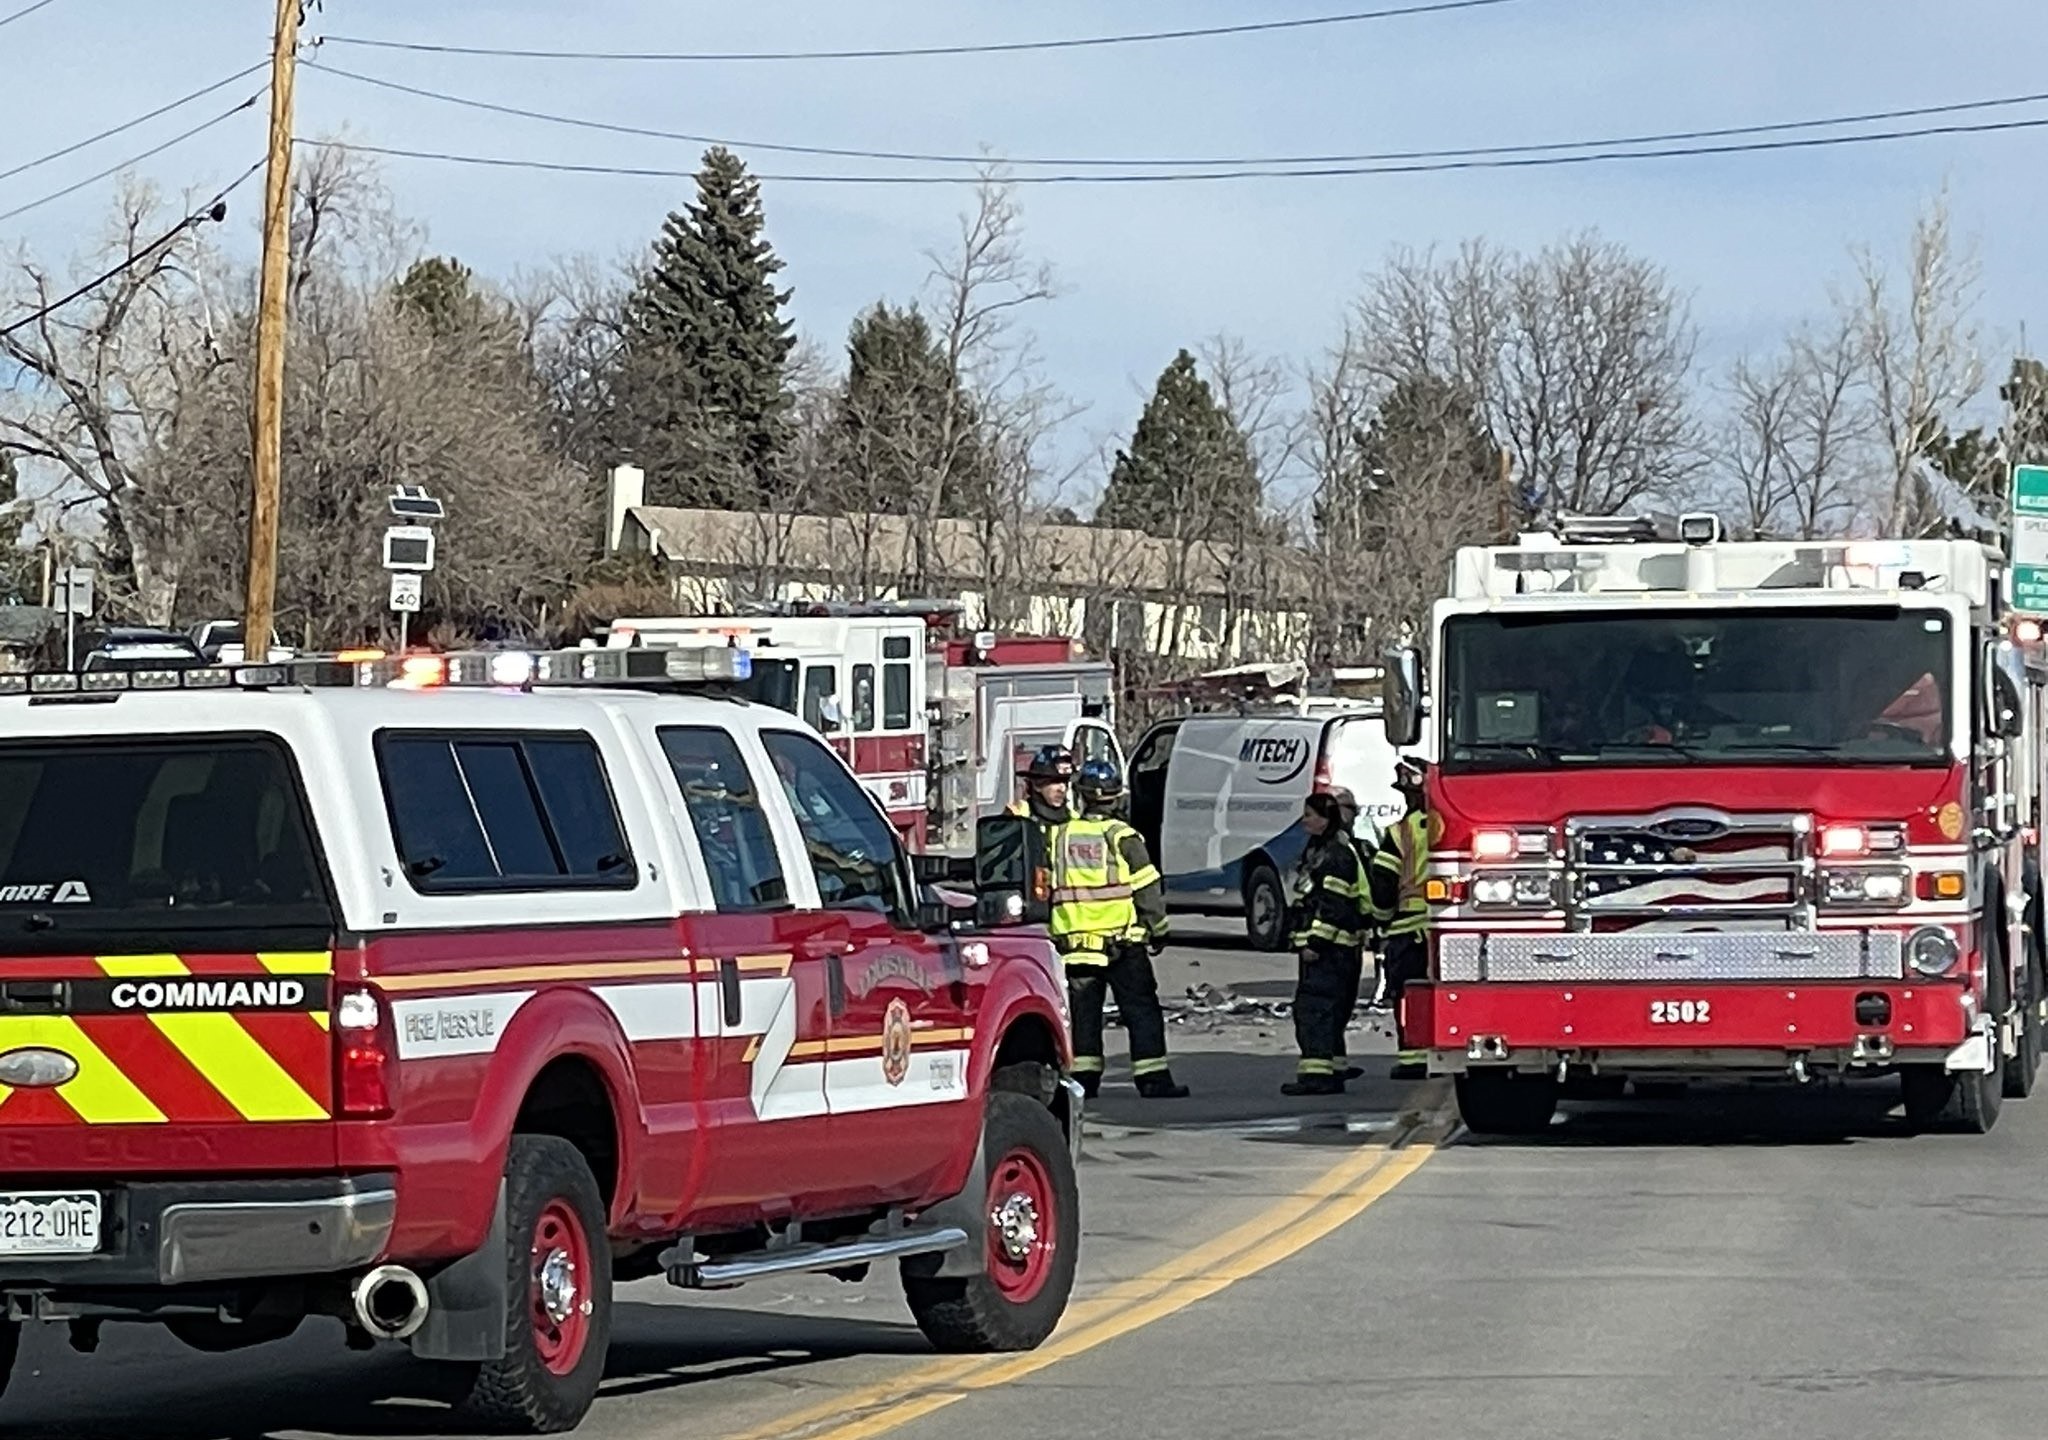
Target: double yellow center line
<point>1333,1198</point>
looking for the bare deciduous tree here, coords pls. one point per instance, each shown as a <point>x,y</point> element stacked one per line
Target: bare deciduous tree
<point>1796,445</point>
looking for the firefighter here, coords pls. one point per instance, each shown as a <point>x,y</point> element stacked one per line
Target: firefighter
<point>1330,931</point>
<point>1401,910</point>
<point>1109,920</point>
<point>1045,786</point>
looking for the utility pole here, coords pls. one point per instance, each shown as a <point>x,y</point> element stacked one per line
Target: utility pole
<point>267,427</point>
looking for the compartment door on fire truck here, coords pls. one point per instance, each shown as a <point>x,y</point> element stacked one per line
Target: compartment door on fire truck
<point>760,975</point>
<point>896,1079</point>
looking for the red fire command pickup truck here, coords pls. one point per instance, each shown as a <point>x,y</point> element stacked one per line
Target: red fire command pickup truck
<point>440,996</point>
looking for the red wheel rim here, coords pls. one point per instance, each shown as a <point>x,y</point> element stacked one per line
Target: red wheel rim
<point>560,1286</point>
<point>1023,1228</point>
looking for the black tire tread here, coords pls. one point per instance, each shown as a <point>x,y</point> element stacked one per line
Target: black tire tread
<point>516,1394</point>
<point>968,1316</point>
<point>1965,1104</point>
<point>1263,871</point>
<point>10,1351</point>
<point>1499,1102</point>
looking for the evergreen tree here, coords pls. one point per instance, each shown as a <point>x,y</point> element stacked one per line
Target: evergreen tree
<point>908,438</point>
<point>1188,471</point>
<point>440,293</point>
<point>704,387</point>
<point>1426,450</point>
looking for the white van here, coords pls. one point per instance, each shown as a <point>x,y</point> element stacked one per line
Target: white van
<point>1218,798</point>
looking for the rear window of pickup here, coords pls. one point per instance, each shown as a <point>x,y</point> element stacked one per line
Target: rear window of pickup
<point>154,837</point>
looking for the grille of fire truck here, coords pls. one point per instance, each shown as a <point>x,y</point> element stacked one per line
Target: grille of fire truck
<point>1698,868</point>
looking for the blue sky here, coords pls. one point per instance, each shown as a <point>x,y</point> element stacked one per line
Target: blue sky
<point>1755,240</point>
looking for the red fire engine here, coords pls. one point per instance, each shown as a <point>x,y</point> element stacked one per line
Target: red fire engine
<point>1709,809</point>
<point>936,720</point>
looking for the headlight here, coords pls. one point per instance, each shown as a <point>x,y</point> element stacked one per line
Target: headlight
<point>1525,890</point>
<point>1932,950</point>
<point>1863,887</point>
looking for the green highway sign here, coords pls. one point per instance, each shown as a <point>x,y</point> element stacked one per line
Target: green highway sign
<point>2029,547</point>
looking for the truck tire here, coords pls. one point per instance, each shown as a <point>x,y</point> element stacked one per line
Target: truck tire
<point>1501,1102</point>
<point>10,1349</point>
<point>1265,909</point>
<point>558,1319</point>
<point>1938,1099</point>
<point>1028,1272</point>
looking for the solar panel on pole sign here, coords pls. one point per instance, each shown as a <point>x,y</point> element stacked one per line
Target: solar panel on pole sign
<point>2030,539</point>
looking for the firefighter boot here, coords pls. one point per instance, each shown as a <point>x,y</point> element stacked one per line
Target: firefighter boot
<point>1159,1085</point>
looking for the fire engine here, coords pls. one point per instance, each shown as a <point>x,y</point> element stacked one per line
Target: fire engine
<point>438,994</point>
<point>936,720</point>
<point>1709,809</point>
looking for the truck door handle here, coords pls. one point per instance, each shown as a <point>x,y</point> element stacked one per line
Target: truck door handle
<point>729,990</point>
<point>835,985</point>
<point>35,997</point>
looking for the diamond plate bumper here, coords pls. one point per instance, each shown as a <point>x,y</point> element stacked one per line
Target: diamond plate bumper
<point>1775,955</point>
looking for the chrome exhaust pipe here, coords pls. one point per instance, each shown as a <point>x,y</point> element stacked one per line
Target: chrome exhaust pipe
<point>390,1302</point>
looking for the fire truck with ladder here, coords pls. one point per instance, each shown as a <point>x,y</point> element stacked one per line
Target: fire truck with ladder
<point>936,720</point>
<point>1705,809</point>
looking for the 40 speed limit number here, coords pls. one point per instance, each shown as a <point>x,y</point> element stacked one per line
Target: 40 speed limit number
<point>1681,1012</point>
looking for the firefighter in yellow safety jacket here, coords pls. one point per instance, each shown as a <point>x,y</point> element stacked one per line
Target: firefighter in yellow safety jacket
<point>1400,908</point>
<point>1108,920</point>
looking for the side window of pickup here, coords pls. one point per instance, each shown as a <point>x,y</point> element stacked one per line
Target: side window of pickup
<point>853,851</point>
<point>725,811</point>
<point>503,811</point>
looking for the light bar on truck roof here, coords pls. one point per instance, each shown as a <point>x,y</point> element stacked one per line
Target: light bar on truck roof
<point>707,665</point>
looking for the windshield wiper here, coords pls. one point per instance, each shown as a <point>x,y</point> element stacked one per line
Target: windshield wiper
<point>1517,749</point>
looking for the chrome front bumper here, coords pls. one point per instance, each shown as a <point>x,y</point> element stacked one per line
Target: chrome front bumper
<point>1077,1107</point>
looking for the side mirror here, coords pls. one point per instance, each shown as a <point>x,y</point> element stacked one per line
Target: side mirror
<point>1012,879</point>
<point>2004,690</point>
<point>1401,696</point>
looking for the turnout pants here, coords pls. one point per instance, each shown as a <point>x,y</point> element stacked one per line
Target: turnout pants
<point>1405,958</point>
<point>1129,975</point>
<point>1325,994</point>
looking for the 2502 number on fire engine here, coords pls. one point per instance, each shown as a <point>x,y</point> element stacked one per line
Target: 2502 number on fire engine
<point>1681,1012</point>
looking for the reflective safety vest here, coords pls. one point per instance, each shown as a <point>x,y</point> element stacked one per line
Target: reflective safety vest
<point>1411,848</point>
<point>1092,907</point>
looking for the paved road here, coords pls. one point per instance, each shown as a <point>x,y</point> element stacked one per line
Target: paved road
<point>1745,1264</point>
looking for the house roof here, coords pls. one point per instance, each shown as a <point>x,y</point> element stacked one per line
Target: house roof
<point>1081,558</point>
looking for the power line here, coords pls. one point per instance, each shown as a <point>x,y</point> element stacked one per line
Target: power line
<point>25,11</point>
<point>215,210</point>
<point>1668,137</point>
<point>1320,172</point>
<point>151,153</point>
<point>128,125</point>
<point>1011,47</point>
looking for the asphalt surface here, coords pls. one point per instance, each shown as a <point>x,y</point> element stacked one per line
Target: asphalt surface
<point>1743,1263</point>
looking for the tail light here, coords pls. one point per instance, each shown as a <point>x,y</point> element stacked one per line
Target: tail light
<point>1325,781</point>
<point>365,1055</point>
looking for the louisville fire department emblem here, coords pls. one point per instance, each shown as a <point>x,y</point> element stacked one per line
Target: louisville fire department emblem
<point>896,1043</point>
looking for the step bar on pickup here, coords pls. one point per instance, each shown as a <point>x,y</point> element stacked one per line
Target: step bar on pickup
<point>692,1271</point>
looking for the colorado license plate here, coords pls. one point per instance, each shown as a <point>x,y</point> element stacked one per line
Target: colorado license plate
<point>49,1223</point>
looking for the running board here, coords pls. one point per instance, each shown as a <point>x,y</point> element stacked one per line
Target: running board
<point>799,1259</point>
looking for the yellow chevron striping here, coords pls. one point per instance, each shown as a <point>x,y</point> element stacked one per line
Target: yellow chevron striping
<point>101,1094</point>
<point>247,1076</point>
<point>311,962</point>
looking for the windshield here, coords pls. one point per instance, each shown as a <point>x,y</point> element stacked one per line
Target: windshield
<point>154,838</point>
<point>1861,685</point>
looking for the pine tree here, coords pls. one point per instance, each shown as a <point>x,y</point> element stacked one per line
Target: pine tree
<point>908,438</point>
<point>704,387</point>
<point>1188,471</point>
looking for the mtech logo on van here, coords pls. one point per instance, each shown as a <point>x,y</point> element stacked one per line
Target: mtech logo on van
<point>1274,759</point>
